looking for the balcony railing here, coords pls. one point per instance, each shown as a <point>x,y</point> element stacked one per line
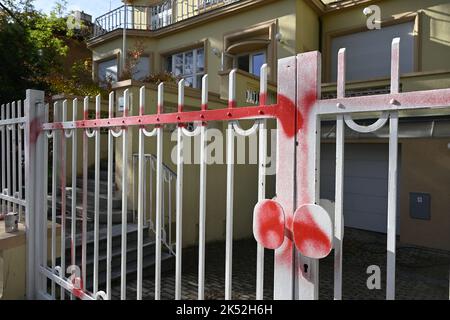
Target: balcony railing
<point>154,17</point>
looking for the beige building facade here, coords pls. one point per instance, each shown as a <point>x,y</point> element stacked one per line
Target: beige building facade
<point>193,38</point>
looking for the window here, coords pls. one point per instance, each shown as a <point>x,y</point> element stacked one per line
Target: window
<point>107,71</point>
<point>189,65</point>
<point>142,68</point>
<point>369,53</point>
<point>251,62</point>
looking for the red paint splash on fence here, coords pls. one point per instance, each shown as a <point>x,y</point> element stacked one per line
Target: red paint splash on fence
<point>286,250</point>
<point>77,290</point>
<point>269,224</point>
<point>286,113</point>
<point>309,237</point>
<point>306,103</point>
<point>35,130</point>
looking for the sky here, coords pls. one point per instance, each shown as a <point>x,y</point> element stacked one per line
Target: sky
<point>93,7</point>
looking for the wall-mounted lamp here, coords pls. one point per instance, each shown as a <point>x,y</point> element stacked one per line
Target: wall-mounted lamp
<point>367,11</point>
<point>216,52</point>
<point>279,37</point>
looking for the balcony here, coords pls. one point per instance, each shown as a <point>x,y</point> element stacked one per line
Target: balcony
<point>154,17</point>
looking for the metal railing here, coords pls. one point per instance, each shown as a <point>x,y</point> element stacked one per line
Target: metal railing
<point>153,17</point>
<point>12,126</point>
<point>149,185</point>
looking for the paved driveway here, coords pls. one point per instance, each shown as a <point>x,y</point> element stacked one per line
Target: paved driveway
<point>421,273</point>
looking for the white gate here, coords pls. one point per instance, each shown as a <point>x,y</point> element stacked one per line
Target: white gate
<point>293,224</point>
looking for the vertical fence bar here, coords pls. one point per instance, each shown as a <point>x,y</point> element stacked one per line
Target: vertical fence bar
<point>43,198</point>
<point>261,181</point>
<point>230,191</point>
<point>73,232</point>
<point>179,196</point>
<point>339,192</point>
<point>307,162</point>
<point>123,267</point>
<point>84,195</point>
<point>54,194</point>
<point>393,162</point>
<point>141,181</point>
<point>159,186</point>
<point>20,155</point>
<point>109,199</point>
<point>284,260</point>
<point>8,157</point>
<point>96,194</point>
<point>169,240</point>
<point>14,156</point>
<point>33,116</point>
<point>3,128</point>
<point>202,204</point>
<point>62,171</point>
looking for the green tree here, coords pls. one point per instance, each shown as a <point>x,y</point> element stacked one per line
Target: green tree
<point>33,47</point>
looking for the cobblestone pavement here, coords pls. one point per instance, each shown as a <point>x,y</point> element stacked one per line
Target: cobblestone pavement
<point>421,273</point>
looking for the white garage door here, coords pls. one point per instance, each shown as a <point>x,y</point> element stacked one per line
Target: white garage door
<point>365,183</point>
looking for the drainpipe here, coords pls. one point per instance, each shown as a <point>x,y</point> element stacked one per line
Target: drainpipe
<point>124,43</point>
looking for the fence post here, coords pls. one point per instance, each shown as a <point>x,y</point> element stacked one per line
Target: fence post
<point>34,193</point>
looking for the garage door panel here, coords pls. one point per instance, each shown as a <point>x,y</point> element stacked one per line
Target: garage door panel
<point>359,202</point>
<point>355,219</point>
<point>327,167</point>
<point>366,152</point>
<point>365,183</point>
<point>376,187</point>
<point>369,169</point>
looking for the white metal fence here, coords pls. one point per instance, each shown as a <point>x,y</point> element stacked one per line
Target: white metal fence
<point>278,224</point>
<point>12,126</point>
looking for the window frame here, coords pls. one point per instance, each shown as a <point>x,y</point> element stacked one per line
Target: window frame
<point>195,73</point>
<point>103,60</point>
<point>250,55</point>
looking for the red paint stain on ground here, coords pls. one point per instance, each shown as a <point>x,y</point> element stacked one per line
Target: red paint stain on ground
<point>269,225</point>
<point>309,238</point>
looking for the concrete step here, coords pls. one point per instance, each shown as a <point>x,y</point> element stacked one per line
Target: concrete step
<point>103,174</point>
<point>102,197</point>
<point>116,236</point>
<point>103,214</point>
<point>91,185</point>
